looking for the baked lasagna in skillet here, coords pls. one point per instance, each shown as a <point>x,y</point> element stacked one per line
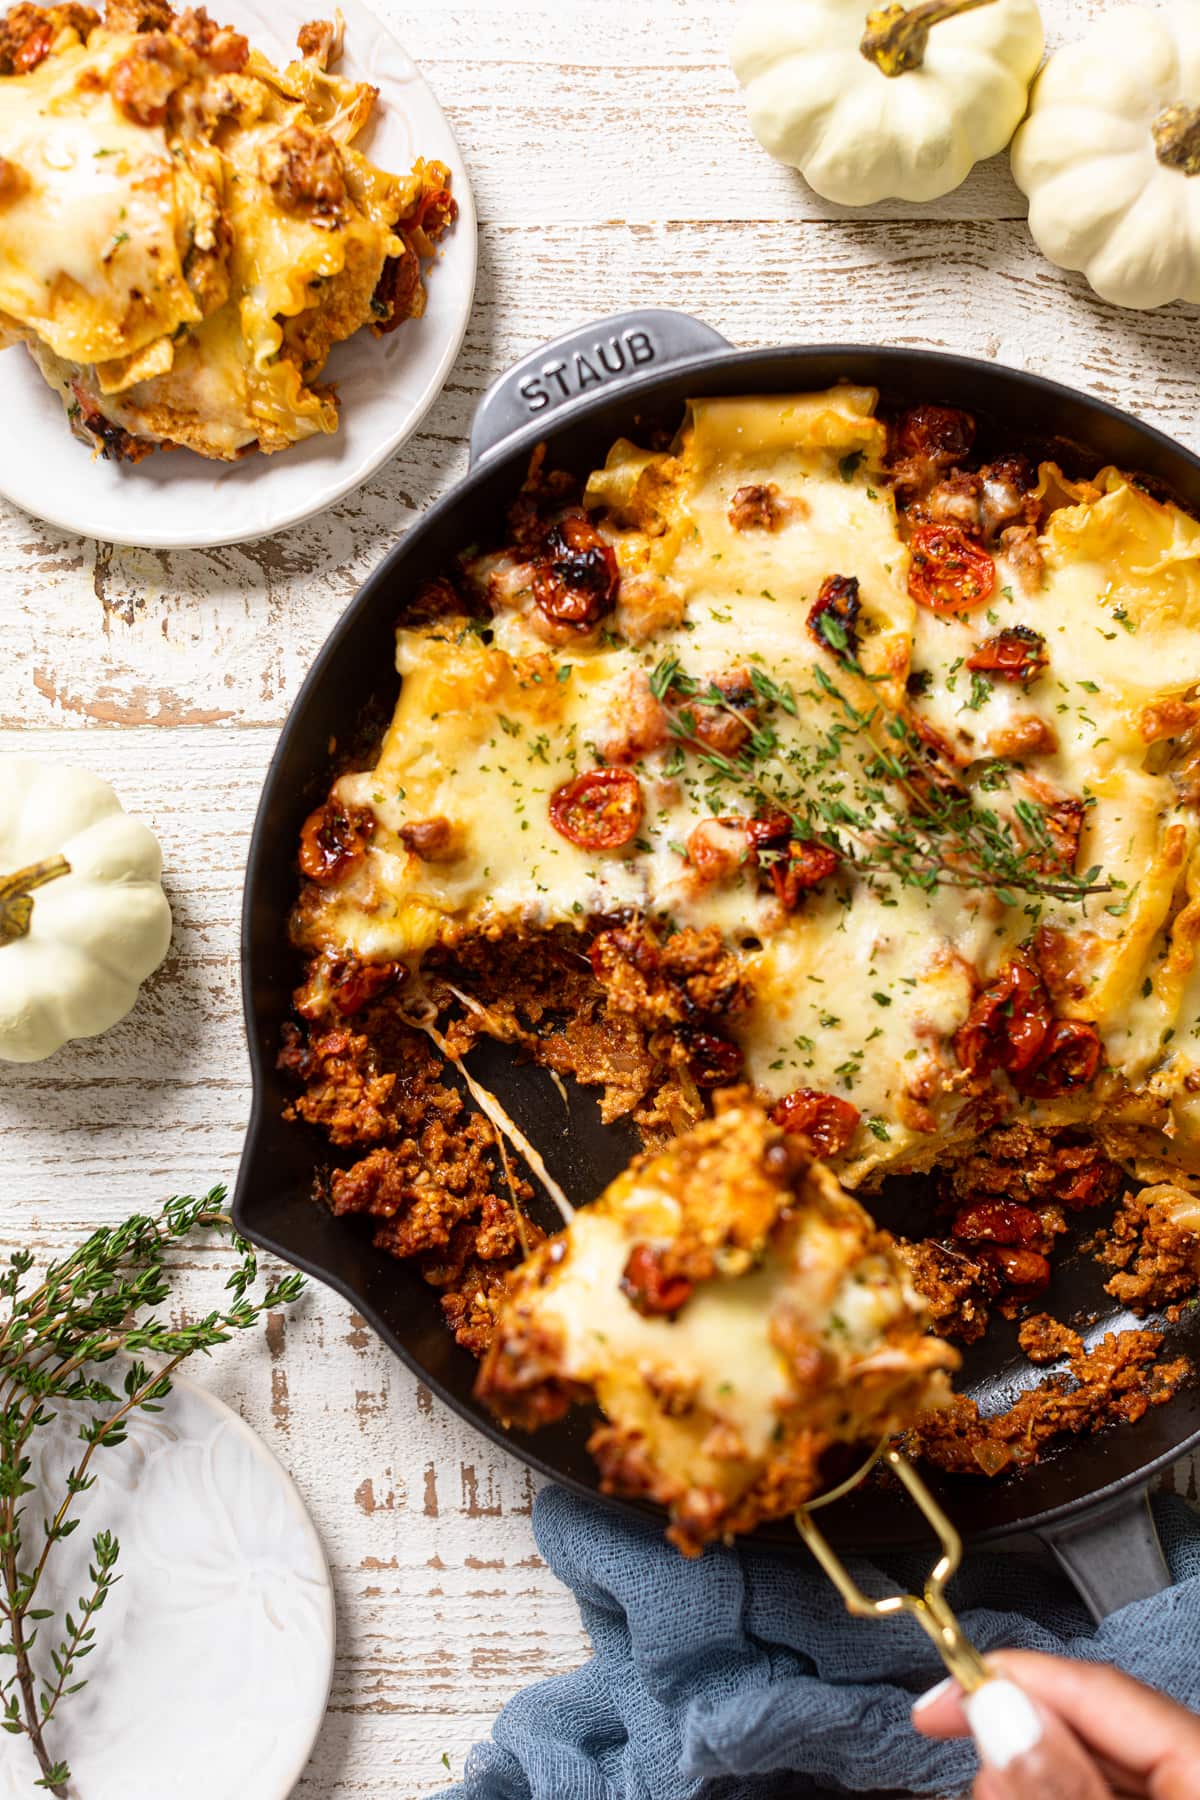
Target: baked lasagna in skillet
<point>186,230</point>
<point>823,754</point>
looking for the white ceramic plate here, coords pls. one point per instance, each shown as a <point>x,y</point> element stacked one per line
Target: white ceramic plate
<point>177,500</point>
<point>214,1651</point>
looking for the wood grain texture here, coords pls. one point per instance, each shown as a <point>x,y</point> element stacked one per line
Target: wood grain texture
<point>613,167</point>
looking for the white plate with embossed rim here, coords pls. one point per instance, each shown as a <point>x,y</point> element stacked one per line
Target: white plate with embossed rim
<point>177,500</point>
<point>214,1651</point>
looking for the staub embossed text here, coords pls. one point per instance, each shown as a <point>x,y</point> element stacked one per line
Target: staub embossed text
<point>583,369</point>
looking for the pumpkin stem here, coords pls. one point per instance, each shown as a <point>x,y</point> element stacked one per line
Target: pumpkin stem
<point>897,37</point>
<point>16,903</point>
<point>1177,138</point>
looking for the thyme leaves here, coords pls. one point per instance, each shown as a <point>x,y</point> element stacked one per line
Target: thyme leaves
<point>866,782</point>
<point>55,1338</point>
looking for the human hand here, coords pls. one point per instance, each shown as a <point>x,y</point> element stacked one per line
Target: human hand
<point>1088,1733</point>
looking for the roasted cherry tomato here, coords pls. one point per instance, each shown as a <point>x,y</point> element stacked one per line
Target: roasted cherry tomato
<point>600,810</point>
<point>803,866</point>
<point>940,434</point>
<point>997,1222</point>
<point>826,1121</point>
<point>793,867</point>
<point>396,291</point>
<point>948,573</point>
<point>355,984</point>
<point>1068,1059</point>
<point>35,49</point>
<point>1090,1183</point>
<point>652,1290</point>
<point>833,616</point>
<point>1019,1268</point>
<point>1014,654</point>
<point>713,1060</point>
<point>333,838</point>
<point>575,579</point>
<point>769,833</point>
<point>436,213</point>
<point>1008,1022</point>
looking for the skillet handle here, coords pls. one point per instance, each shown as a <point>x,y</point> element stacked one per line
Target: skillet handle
<point>1111,1552</point>
<point>607,353</point>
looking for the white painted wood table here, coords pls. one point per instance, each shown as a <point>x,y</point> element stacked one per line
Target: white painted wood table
<point>612,167</point>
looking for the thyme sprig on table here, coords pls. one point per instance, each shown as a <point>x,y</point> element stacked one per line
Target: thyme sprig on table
<point>868,786</point>
<point>96,1304</point>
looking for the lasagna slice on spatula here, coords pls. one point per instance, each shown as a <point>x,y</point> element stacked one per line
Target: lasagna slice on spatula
<point>738,1319</point>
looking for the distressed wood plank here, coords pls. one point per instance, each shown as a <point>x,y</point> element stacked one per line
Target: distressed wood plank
<point>569,112</point>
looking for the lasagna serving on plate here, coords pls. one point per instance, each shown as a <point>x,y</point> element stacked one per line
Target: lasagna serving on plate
<point>821,753</point>
<point>186,230</point>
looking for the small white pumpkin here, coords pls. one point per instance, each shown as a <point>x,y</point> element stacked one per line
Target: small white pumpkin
<point>899,102</point>
<point>83,917</point>
<point>1110,156</point>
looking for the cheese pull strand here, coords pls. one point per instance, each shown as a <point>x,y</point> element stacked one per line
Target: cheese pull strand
<point>498,1114</point>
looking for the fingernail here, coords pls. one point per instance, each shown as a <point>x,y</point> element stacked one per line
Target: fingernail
<point>1004,1722</point>
<point>934,1693</point>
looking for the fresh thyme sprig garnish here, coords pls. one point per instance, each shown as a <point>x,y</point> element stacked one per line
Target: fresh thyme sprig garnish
<point>869,787</point>
<point>94,1305</point>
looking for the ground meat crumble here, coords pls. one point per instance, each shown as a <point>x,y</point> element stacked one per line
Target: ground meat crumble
<point>431,1177</point>
<point>1156,1256</point>
<point>1116,1382</point>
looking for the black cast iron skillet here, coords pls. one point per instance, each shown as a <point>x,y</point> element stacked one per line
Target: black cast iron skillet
<point>629,375</point>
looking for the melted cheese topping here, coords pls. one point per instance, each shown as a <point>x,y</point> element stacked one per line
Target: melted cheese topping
<point>1119,609</point>
<point>153,270</point>
<point>860,990</point>
<point>91,245</point>
<point>720,1342</point>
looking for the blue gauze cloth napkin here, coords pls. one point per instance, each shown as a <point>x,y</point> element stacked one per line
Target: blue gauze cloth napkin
<point>741,1677</point>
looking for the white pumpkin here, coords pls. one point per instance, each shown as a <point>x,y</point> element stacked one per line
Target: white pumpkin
<point>903,109</point>
<point>83,917</point>
<point>1110,156</point>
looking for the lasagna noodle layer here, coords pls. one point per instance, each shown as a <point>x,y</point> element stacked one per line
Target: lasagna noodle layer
<point>181,280</point>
